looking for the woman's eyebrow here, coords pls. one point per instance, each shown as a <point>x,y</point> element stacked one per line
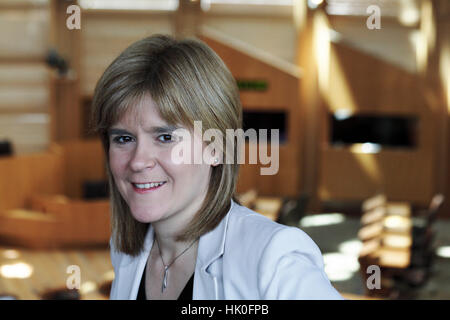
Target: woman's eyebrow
<point>153,130</point>
<point>162,129</point>
<point>117,131</point>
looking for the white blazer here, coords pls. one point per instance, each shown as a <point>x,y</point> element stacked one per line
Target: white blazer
<point>247,256</point>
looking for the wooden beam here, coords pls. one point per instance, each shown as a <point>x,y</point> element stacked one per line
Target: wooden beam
<point>65,106</point>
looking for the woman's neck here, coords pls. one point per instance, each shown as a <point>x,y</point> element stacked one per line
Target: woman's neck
<point>169,246</point>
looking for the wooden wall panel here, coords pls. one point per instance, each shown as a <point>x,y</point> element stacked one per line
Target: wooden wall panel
<point>364,84</point>
<point>24,41</point>
<point>28,132</point>
<point>269,33</point>
<point>66,111</point>
<point>106,34</point>
<point>18,98</point>
<point>29,24</point>
<point>62,170</point>
<point>26,174</point>
<point>371,83</point>
<point>24,100</point>
<point>354,176</point>
<point>282,94</point>
<point>23,73</point>
<point>83,160</point>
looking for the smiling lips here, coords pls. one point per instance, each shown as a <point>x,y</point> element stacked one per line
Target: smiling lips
<point>145,187</point>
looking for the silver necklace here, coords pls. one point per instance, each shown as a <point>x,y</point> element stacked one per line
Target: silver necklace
<point>166,267</point>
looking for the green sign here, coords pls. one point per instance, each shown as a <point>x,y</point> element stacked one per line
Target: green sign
<point>252,85</point>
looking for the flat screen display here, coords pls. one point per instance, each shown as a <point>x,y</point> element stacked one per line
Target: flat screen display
<point>266,120</point>
<point>386,131</point>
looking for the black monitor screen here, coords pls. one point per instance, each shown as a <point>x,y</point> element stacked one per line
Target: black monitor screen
<point>266,120</point>
<point>387,131</point>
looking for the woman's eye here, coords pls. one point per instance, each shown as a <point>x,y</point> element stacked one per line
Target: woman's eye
<point>165,138</point>
<point>122,139</point>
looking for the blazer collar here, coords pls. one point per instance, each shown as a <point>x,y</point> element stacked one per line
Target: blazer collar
<point>211,248</point>
<point>212,244</point>
<point>208,271</point>
<point>131,269</point>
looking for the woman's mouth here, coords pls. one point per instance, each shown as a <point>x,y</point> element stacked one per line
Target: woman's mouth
<point>146,187</point>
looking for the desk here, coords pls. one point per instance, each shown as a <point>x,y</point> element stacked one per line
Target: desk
<point>47,269</point>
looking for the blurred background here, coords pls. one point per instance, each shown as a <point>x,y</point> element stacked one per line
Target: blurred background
<point>359,89</point>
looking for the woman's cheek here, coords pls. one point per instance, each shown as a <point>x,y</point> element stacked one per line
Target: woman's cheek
<point>166,156</point>
<point>117,162</point>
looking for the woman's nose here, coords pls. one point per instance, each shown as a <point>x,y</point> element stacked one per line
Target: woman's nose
<point>144,157</point>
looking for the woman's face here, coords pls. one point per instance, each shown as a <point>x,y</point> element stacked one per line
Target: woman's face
<point>154,187</point>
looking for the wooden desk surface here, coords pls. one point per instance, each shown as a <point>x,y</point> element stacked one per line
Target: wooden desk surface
<point>47,269</point>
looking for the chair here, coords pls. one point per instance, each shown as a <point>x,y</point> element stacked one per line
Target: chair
<point>386,236</point>
<point>392,263</point>
<point>422,224</point>
<point>425,219</point>
<point>293,210</point>
<point>423,233</point>
<point>373,202</point>
<point>422,251</point>
<point>385,209</point>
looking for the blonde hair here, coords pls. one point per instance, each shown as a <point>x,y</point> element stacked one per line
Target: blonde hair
<point>188,82</point>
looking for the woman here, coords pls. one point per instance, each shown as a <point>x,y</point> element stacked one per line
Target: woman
<point>176,231</point>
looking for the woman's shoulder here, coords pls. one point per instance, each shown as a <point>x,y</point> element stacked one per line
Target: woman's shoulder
<point>284,261</point>
<point>251,228</point>
<point>245,215</point>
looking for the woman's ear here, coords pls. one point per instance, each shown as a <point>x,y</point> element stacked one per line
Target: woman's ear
<point>216,158</point>
<point>212,154</point>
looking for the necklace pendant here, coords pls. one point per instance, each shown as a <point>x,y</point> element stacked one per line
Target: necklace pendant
<point>166,273</point>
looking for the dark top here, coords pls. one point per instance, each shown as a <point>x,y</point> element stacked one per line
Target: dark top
<point>186,294</point>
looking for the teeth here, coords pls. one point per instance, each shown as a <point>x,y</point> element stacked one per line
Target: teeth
<point>148,185</point>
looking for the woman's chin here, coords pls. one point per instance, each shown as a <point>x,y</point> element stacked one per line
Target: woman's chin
<point>145,216</point>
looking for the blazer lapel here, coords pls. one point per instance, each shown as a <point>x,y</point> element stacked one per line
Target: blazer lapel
<point>131,270</point>
<point>208,282</point>
<point>208,270</point>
